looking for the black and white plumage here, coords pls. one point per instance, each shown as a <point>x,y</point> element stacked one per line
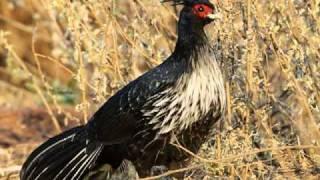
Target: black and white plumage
<point>178,100</point>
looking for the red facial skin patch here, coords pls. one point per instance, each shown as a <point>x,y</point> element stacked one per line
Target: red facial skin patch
<point>202,10</point>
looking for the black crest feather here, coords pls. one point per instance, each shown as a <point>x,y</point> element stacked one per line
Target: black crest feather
<point>178,2</point>
<point>186,2</point>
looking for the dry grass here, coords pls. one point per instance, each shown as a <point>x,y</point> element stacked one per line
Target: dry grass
<point>62,56</point>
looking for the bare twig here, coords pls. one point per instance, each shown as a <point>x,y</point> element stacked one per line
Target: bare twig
<point>172,172</point>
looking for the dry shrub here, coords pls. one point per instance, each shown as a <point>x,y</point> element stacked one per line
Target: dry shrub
<point>269,51</point>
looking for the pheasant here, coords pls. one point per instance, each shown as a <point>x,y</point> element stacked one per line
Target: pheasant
<point>177,101</point>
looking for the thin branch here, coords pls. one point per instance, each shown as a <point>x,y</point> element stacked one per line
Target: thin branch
<point>172,172</point>
<point>246,154</point>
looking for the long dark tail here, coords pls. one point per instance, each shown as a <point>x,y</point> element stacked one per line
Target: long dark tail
<point>67,156</point>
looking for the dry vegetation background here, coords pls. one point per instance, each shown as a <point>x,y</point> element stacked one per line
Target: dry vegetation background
<point>59,60</point>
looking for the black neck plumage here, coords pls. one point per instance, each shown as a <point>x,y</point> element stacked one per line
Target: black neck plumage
<point>191,39</point>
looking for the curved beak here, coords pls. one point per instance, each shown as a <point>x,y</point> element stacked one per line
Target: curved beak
<point>214,16</point>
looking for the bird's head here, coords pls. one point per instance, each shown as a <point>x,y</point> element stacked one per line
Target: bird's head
<point>194,15</point>
<point>197,11</point>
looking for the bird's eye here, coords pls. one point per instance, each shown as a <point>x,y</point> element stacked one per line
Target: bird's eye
<point>200,9</point>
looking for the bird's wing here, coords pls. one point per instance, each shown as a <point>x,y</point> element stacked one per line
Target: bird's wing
<point>117,120</point>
